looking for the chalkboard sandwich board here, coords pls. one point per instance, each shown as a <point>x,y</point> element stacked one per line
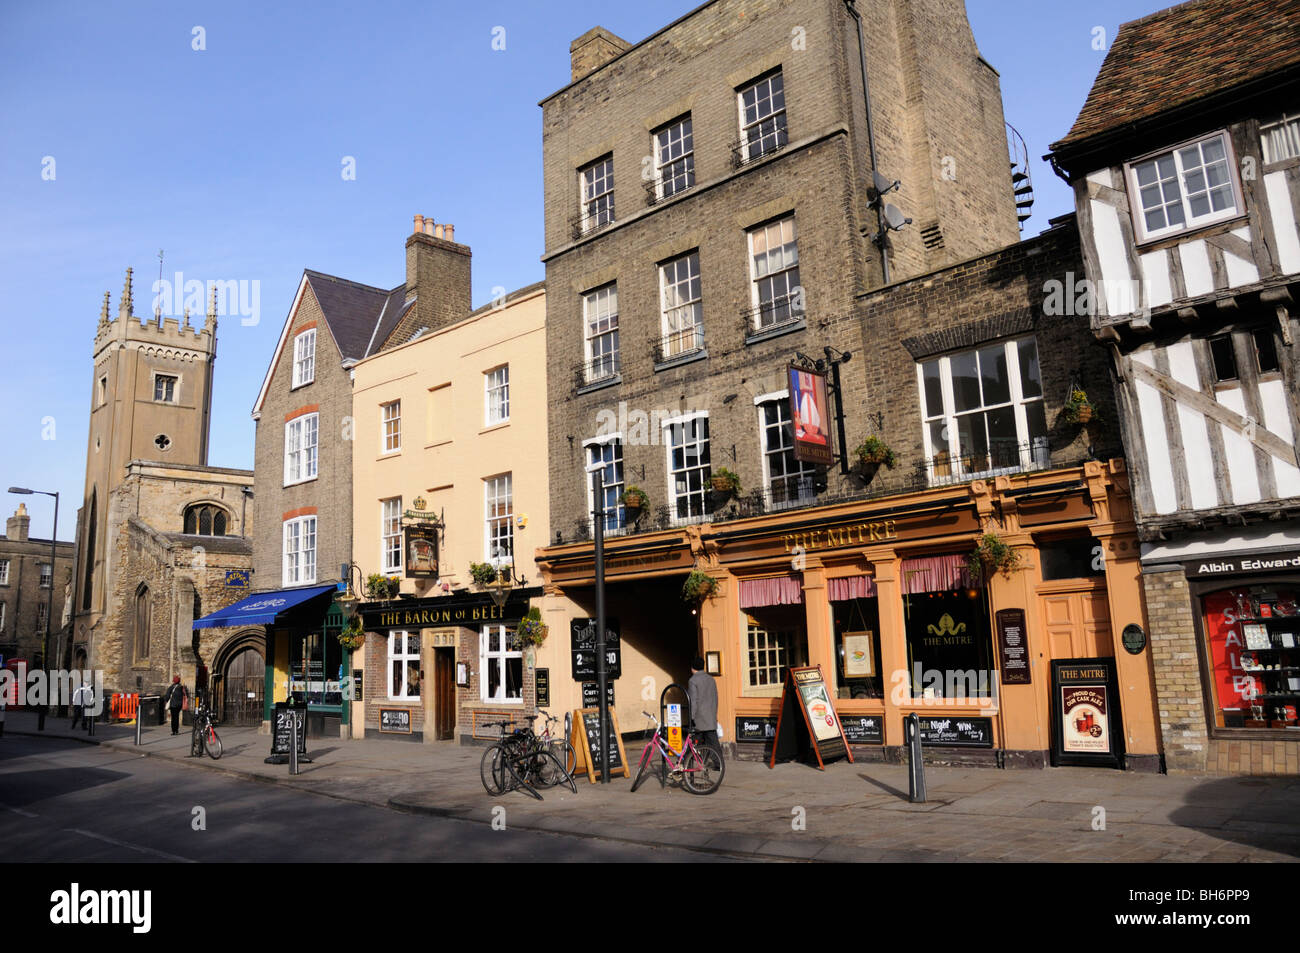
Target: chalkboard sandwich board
<point>808,721</point>
<point>282,719</point>
<point>586,725</point>
<point>395,721</point>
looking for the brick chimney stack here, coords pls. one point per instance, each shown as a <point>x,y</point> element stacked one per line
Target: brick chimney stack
<point>437,273</point>
<point>594,49</point>
<point>17,526</point>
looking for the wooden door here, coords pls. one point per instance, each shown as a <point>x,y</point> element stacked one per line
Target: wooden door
<point>444,693</point>
<point>1077,621</point>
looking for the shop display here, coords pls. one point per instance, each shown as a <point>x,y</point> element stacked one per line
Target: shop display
<point>1252,636</point>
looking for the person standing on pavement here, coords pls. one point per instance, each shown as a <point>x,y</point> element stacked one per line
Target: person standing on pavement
<point>175,701</point>
<point>702,693</point>
<point>4,703</point>
<point>78,705</point>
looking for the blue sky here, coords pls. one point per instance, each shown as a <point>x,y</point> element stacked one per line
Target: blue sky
<point>230,158</point>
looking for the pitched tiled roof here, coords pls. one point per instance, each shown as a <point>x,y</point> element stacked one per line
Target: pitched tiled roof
<point>352,310</point>
<point>1183,54</point>
<point>393,311</point>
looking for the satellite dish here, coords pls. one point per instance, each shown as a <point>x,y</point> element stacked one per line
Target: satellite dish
<point>894,218</point>
<point>882,184</point>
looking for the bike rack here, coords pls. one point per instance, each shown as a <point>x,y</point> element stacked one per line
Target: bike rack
<point>686,708</point>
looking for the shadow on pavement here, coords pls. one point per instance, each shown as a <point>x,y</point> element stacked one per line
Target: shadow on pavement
<point>1255,812</point>
<point>887,788</point>
<point>28,787</point>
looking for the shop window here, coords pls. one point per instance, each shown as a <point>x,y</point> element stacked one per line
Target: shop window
<point>1071,558</point>
<point>857,647</point>
<point>404,666</point>
<point>315,659</point>
<point>501,664</point>
<point>1253,643</point>
<point>946,618</point>
<point>776,639</point>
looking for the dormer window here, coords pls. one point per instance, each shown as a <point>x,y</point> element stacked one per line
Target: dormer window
<point>1185,188</point>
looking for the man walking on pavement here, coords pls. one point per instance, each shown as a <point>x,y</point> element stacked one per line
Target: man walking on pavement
<point>175,700</point>
<point>79,703</point>
<point>702,693</point>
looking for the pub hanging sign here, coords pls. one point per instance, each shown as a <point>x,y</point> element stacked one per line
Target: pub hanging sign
<point>421,551</point>
<point>810,415</point>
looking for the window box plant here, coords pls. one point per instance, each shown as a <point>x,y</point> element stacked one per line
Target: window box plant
<point>873,451</point>
<point>992,555</point>
<point>379,586</point>
<point>483,573</point>
<point>698,586</point>
<point>634,500</point>
<point>1079,410</point>
<point>725,481</point>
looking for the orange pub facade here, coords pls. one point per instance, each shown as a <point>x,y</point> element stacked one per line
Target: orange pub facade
<point>1038,659</point>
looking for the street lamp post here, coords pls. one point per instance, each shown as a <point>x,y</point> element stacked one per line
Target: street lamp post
<point>49,608</point>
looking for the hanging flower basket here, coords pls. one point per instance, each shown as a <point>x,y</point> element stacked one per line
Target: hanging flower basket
<point>725,481</point>
<point>1079,409</point>
<point>698,587</point>
<point>353,637</point>
<point>992,555</point>
<point>532,630</point>
<point>873,451</point>
<point>634,500</point>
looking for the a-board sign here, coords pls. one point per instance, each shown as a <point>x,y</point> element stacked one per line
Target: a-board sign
<point>395,721</point>
<point>591,694</point>
<point>587,723</point>
<point>542,686</point>
<point>863,729</point>
<point>952,731</point>
<point>1086,727</point>
<point>808,721</point>
<point>1013,647</point>
<point>582,642</point>
<point>282,718</point>
<point>755,728</point>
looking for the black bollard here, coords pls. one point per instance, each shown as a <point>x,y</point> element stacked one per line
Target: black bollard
<point>138,712</point>
<point>916,765</point>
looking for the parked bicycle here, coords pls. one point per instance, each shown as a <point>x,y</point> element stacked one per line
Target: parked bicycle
<point>203,736</point>
<point>559,745</point>
<point>521,761</point>
<point>699,767</point>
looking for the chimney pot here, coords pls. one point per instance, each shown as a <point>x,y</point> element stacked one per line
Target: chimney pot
<point>449,232</point>
<point>437,231</point>
<point>419,224</point>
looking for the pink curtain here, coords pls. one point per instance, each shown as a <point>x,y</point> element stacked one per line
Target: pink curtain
<point>851,587</point>
<point>935,574</point>
<point>771,591</point>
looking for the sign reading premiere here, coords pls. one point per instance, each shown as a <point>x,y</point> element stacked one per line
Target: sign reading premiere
<point>810,415</point>
<point>421,551</point>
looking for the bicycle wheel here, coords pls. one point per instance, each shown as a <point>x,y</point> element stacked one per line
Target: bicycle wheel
<point>492,770</point>
<point>704,770</point>
<point>517,768</point>
<point>213,744</point>
<point>643,769</point>
<point>553,773</point>
<point>537,769</point>
<point>565,754</point>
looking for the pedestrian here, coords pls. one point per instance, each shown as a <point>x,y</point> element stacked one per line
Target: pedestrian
<point>703,695</point>
<point>78,705</point>
<point>4,703</point>
<point>175,699</point>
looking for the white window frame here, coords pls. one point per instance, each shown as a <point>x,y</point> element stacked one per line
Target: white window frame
<point>595,183</point>
<point>304,358</point>
<point>759,641</point>
<point>301,449</point>
<point>390,427</point>
<point>487,659</point>
<point>4,572</point>
<point>176,387</point>
<point>405,656</point>
<point>681,294</point>
<point>390,534</point>
<point>492,494</point>
<point>1288,128</point>
<point>778,118</point>
<point>496,396</point>
<point>794,288</point>
<point>803,471</point>
<point>590,466</point>
<point>674,144</point>
<point>299,563</point>
<point>1190,222</point>
<point>593,300</point>
<point>947,420</point>
<point>706,469</point>
<point>46,575</point>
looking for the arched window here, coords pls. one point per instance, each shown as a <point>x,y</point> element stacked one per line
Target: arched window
<point>142,605</point>
<point>205,519</point>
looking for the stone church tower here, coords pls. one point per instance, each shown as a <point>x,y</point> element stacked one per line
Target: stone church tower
<point>143,570</point>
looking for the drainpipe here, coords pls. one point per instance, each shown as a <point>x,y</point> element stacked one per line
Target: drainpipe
<point>871,134</point>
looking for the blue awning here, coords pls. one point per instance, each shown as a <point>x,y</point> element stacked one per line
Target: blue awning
<point>260,609</point>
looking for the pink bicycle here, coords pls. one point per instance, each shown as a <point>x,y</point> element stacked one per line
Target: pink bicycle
<point>698,767</point>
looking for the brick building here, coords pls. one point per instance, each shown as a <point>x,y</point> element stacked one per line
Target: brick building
<point>690,292</point>
<point>1185,163</point>
<point>25,583</point>
<point>161,536</point>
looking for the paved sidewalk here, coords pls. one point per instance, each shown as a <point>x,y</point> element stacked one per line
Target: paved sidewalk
<point>850,812</point>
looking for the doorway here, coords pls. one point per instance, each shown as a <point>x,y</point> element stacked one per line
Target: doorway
<point>444,693</point>
<point>243,685</point>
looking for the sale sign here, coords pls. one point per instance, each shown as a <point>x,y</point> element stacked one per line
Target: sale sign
<point>1235,687</point>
